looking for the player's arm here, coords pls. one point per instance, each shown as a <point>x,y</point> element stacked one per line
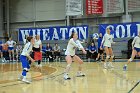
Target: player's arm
<point>40,46</point>
<point>103,40</point>
<point>133,42</point>
<point>112,41</point>
<point>15,43</point>
<point>73,43</point>
<point>81,47</point>
<point>27,52</point>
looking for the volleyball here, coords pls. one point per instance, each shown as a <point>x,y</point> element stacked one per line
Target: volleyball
<point>95,36</point>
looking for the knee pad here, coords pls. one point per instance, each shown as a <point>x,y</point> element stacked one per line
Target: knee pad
<point>130,59</point>
<point>107,57</point>
<point>69,65</point>
<point>10,55</point>
<point>25,69</point>
<point>112,56</point>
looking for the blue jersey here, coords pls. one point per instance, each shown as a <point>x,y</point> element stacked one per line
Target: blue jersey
<point>99,41</point>
<point>48,48</point>
<point>92,48</point>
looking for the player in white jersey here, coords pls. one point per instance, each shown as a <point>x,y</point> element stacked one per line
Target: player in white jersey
<point>106,42</point>
<point>37,48</point>
<point>18,50</point>
<point>70,55</point>
<point>11,45</point>
<point>25,55</point>
<point>25,39</point>
<point>135,50</point>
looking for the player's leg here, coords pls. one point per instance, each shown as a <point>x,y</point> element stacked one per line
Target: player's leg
<point>25,66</point>
<point>17,55</point>
<point>107,57</point>
<point>98,57</point>
<point>67,69</point>
<point>12,51</point>
<point>111,58</point>
<point>102,56</point>
<point>134,52</point>
<point>10,54</point>
<point>80,62</point>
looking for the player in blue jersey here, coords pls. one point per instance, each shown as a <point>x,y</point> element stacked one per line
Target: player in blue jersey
<point>135,50</point>
<point>100,48</point>
<point>25,55</point>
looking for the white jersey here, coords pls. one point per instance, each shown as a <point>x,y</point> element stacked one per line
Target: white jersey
<point>25,41</point>
<point>107,40</point>
<point>136,42</point>
<point>37,43</point>
<point>19,48</point>
<point>72,44</point>
<point>27,49</point>
<point>11,43</point>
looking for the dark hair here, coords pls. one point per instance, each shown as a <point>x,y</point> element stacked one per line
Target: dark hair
<point>72,35</point>
<point>9,38</point>
<point>29,38</point>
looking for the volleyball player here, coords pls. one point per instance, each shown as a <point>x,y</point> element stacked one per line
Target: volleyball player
<point>100,48</point>
<point>106,42</point>
<point>37,48</point>
<point>70,55</point>
<point>25,55</point>
<point>18,50</point>
<point>135,50</point>
<point>11,45</point>
<point>4,52</point>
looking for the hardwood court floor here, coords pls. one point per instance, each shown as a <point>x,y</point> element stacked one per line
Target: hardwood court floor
<point>50,79</point>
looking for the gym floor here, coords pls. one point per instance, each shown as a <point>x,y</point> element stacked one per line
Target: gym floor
<point>49,79</point>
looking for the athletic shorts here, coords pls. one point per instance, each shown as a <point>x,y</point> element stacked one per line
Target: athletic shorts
<point>0,48</point>
<point>100,51</point>
<point>36,49</point>
<point>10,48</point>
<point>137,49</point>
<point>107,47</point>
<point>24,60</point>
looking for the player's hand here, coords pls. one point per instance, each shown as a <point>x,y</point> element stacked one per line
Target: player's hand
<point>74,47</point>
<point>84,52</point>
<point>113,42</point>
<point>32,60</point>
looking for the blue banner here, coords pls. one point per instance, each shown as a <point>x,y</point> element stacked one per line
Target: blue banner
<point>121,30</point>
<point>54,33</point>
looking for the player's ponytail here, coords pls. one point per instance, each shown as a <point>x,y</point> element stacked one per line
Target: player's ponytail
<point>29,38</point>
<point>72,35</point>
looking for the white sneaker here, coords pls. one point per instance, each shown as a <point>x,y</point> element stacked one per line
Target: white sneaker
<point>20,77</point>
<point>66,77</point>
<point>2,60</point>
<point>26,81</point>
<point>39,65</point>
<point>80,74</point>
<point>105,65</point>
<point>110,65</point>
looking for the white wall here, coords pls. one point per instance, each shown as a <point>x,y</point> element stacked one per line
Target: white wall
<point>38,10</point>
<point>1,20</point>
<point>52,13</point>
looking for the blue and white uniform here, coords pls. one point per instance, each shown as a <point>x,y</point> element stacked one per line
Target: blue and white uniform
<point>136,43</point>
<point>23,57</point>
<point>107,40</point>
<point>10,44</point>
<point>72,44</point>
<point>92,48</point>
